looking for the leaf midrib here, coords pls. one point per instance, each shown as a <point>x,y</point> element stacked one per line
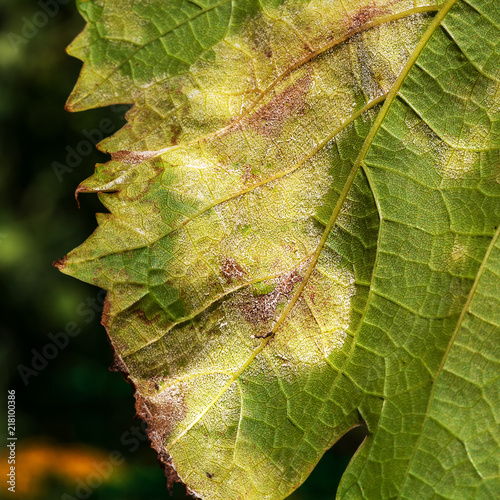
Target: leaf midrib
<point>364,150</point>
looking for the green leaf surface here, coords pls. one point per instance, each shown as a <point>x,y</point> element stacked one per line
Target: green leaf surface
<point>302,237</point>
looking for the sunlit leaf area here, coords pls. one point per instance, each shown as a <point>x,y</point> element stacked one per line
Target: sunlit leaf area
<point>288,243</point>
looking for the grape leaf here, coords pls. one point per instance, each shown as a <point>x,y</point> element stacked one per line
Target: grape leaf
<point>302,237</point>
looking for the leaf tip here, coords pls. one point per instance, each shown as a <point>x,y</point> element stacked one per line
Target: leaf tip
<point>78,190</point>
<point>70,105</point>
<point>61,263</point>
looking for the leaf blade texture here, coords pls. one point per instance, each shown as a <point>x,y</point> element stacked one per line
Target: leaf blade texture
<point>301,236</point>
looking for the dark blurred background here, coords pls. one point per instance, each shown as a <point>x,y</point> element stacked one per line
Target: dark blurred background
<point>71,412</point>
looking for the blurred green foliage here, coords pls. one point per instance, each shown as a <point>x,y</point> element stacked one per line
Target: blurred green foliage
<point>74,399</point>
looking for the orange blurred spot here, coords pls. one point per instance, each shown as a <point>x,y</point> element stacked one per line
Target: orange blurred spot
<point>40,460</point>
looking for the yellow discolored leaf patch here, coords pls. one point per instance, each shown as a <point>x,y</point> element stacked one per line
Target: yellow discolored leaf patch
<point>246,249</point>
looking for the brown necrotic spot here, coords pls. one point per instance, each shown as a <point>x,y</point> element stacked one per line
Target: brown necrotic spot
<point>175,130</point>
<point>262,308</point>
<point>133,157</point>
<point>106,314</point>
<point>161,412</point>
<point>269,119</point>
<point>231,270</point>
<point>365,15</point>
<point>60,263</point>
